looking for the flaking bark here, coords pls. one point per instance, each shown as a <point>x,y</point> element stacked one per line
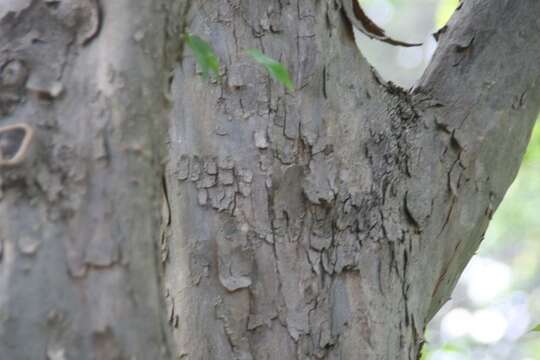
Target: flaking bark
<point>332,223</point>
<point>328,223</point>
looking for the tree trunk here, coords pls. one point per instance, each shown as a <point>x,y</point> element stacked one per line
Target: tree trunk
<point>294,225</point>
<point>79,213</point>
<point>303,224</point>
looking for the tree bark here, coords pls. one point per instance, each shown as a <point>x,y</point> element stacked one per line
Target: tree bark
<point>293,225</point>
<point>332,223</point>
<point>79,212</point>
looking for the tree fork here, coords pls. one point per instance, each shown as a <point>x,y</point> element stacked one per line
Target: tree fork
<point>328,223</point>
<point>303,224</point>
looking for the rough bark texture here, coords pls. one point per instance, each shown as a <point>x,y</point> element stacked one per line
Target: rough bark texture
<point>332,223</point>
<point>79,210</point>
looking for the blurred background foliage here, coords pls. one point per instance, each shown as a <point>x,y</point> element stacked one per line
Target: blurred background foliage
<point>497,300</point>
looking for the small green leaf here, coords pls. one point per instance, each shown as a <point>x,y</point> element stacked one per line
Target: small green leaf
<point>274,68</point>
<point>536,328</point>
<point>204,54</point>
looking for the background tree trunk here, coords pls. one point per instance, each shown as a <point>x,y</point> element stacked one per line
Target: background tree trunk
<point>79,213</point>
<point>330,223</point>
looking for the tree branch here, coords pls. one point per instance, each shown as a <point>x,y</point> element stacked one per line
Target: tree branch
<point>481,40</point>
<point>481,95</point>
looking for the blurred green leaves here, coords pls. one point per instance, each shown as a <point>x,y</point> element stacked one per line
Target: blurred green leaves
<point>457,349</point>
<point>274,68</point>
<point>533,151</point>
<point>204,55</point>
<point>536,328</point>
<point>444,11</point>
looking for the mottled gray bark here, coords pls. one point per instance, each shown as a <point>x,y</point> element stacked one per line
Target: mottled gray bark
<point>332,223</point>
<point>79,210</point>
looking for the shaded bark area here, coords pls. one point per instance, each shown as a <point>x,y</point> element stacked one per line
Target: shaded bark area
<point>79,209</point>
<point>332,223</point>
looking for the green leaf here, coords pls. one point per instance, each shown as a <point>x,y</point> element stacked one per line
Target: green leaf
<point>274,68</point>
<point>204,54</point>
<point>536,328</point>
